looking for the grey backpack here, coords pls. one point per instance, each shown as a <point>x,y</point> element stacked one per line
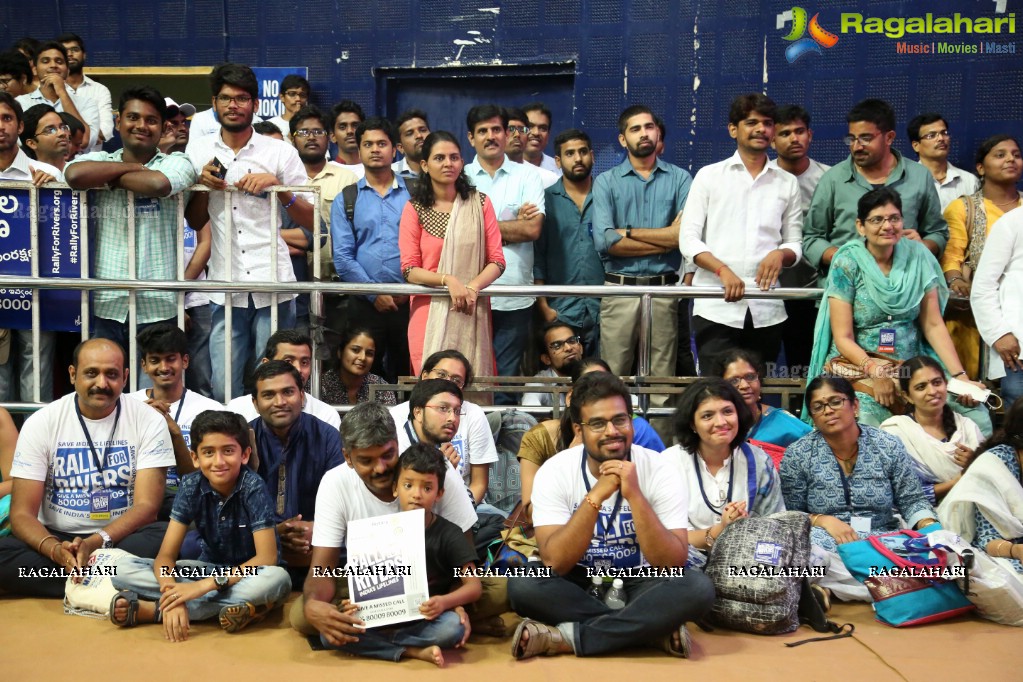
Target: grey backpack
<point>757,566</point>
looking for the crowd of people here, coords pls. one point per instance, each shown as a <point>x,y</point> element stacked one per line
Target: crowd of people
<point>266,486</point>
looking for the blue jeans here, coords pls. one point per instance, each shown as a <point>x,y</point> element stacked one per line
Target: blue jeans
<point>388,644</point>
<point>20,360</point>
<point>511,336</point>
<point>1012,387</point>
<point>199,375</point>
<point>270,586</point>
<point>250,330</point>
<point>655,607</point>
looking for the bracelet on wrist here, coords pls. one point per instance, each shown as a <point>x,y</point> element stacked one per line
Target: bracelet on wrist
<point>717,273</point>
<point>294,198</point>
<point>959,374</point>
<point>592,503</point>
<point>39,547</point>
<point>710,539</point>
<point>443,281</point>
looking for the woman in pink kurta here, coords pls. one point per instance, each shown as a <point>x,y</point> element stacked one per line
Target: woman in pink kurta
<point>449,238</point>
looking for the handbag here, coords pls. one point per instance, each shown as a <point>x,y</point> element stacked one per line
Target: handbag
<point>515,546</point>
<point>908,579</point>
<point>992,585</point>
<point>845,368</point>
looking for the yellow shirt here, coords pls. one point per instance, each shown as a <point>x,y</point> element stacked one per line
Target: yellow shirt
<point>331,180</point>
<point>959,232</point>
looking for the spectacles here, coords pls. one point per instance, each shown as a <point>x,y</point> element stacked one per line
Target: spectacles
<point>748,378</point>
<point>864,140</point>
<point>518,129</point>
<point>540,127</point>
<point>934,134</point>
<point>620,422</point>
<point>558,345</point>
<point>834,403</point>
<point>295,93</point>
<point>447,409</point>
<point>453,378</point>
<point>5,82</point>
<point>55,130</point>
<point>878,221</point>
<point>310,132</point>
<point>240,100</point>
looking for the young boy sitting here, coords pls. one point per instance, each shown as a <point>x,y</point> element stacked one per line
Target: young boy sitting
<point>418,485</point>
<point>237,576</point>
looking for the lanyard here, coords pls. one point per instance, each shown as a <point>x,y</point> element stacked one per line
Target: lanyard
<point>731,480</point>
<point>845,488</point>
<point>88,437</point>
<point>412,437</point>
<point>618,499</point>
<point>181,404</point>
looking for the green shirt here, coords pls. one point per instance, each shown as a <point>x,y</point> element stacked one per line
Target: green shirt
<point>831,220</point>
<point>157,234</point>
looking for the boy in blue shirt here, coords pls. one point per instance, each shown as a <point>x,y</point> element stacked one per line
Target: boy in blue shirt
<point>237,577</point>
<point>450,560</point>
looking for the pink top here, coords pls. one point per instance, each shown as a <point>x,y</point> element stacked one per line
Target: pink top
<point>421,248</point>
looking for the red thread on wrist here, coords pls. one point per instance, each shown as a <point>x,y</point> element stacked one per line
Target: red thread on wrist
<point>717,273</point>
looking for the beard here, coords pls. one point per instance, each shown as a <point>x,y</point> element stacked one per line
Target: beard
<point>576,176</point>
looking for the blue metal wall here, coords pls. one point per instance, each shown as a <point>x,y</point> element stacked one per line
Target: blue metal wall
<point>685,58</point>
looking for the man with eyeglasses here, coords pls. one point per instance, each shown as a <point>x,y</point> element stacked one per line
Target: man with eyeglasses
<point>518,131</point>
<point>84,87</point>
<point>294,95</point>
<point>540,121</point>
<point>873,163</point>
<point>155,179</point>
<point>931,140</point>
<point>45,137</point>
<point>366,247</point>
<point>470,448</point>
<point>15,73</point>
<point>559,345</point>
<point>600,508</point>
<point>250,163</point>
<point>741,226</point>
<point>295,450</point>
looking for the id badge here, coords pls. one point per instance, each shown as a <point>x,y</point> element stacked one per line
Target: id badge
<point>886,341</point>
<point>99,505</point>
<point>860,524</point>
<point>463,464</point>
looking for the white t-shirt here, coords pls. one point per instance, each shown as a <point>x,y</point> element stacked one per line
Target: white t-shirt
<point>357,168</point>
<point>79,498</point>
<point>559,489</point>
<point>474,440</point>
<point>184,412</point>
<point>343,497</point>
<point>243,405</point>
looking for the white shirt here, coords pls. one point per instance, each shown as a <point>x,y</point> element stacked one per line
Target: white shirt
<point>547,177</point>
<point>193,299</point>
<point>548,163</point>
<point>511,187</point>
<point>357,168</point>
<point>997,283</point>
<point>473,440</point>
<point>184,412</point>
<point>558,490</point>
<point>715,486</point>
<point>21,168</point>
<point>958,183</point>
<point>86,107</point>
<point>543,398</point>
<point>250,238</point>
<point>807,181</point>
<point>740,219</point>
<point>282,125</point>
<point>343,497</point>
<point>244,406</point>
<point>205,123</point>
<point>402,168</point>
<point>100,95</point>
<point>52,448</point>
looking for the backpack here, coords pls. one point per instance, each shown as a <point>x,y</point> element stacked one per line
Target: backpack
<point>504,487</point>
<point>744,564</point>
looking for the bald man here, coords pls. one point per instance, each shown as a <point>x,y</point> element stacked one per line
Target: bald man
<point>88,473</point>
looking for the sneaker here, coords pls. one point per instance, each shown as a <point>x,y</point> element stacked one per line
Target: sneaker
<point>235,617</point>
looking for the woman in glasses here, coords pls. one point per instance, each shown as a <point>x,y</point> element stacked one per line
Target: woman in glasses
<point>851,478</point>
<point>449,238</point>
<point>727,478</point>
<point>970,219</point>
<point>883,303</point>
<point>940,441</point>
<point>773,429</point>
<point>348,383</point>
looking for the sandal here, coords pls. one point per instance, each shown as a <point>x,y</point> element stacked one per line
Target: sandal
<point>132,619</point>
<point>823,596</point>
<point>544,640</point>
<point>684,649</point>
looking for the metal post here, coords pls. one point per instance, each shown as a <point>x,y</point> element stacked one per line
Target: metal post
<point>132,295</point>
<point>645,348</point>
<point>228,297</point>
<point>275,238</point>
<point>33,245</point>
<point>316,298</point>
<point>180,208</point>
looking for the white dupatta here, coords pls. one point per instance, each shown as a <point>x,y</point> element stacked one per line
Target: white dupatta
<point>928,451</point>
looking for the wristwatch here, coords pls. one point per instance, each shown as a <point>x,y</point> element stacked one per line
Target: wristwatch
<point>221,581</point>
<point>628,231</point>
<point>108,541</point>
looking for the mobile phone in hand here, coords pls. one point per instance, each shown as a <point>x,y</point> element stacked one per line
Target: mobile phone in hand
<point>221,169</point>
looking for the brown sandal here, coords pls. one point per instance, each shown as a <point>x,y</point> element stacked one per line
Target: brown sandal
<point>544,640</point>
<point>679,651</point>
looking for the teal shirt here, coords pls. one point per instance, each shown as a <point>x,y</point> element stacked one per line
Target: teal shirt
<point>831,220</point>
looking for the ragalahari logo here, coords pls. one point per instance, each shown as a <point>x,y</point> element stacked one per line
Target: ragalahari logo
<point>818,38</point>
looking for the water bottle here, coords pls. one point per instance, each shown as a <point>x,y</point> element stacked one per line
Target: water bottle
<point>596,588</point>
<point>615,597</point>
